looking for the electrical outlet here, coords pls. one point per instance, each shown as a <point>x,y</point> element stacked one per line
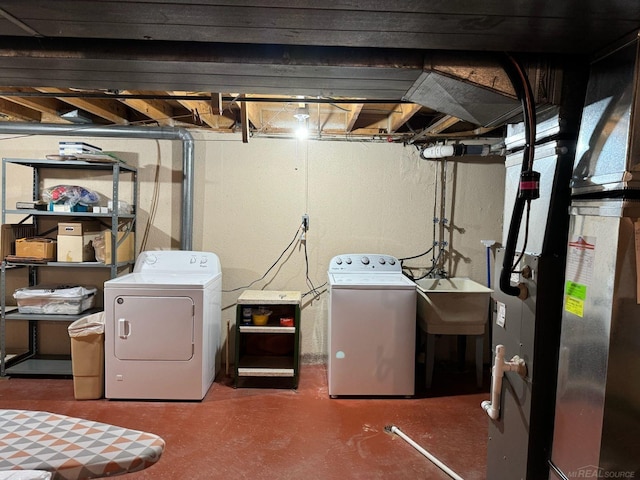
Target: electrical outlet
<point>305,222</point>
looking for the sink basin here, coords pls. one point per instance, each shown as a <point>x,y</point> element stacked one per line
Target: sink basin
<point>452,306</point>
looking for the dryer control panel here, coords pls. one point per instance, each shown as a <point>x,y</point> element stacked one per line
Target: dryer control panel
<point>177,261</point>
<point>364,262</point>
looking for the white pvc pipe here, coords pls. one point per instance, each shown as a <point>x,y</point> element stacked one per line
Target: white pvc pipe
<point>492,407</point>
<point>434,460</point>
<point>438,151</point>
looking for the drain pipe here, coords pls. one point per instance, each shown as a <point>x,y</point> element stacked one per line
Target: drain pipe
<point>118,131</point>
<point>434,460</point>
<point>454,150</point>
<point>516,364</point>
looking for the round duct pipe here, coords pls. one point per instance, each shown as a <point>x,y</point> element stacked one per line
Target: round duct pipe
<point>154,133</point>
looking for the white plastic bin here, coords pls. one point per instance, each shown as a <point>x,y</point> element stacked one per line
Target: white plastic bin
<point>87,356</point>
<point>55,299</point>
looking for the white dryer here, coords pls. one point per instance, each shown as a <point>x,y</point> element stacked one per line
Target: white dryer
<point>372,327</point>
<point>163,327</point>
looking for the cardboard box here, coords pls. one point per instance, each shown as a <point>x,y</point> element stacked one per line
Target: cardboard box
<point>77,248</point>
<point>77,228</point>
<point>75,241</point>
<point>126,250</point>
<point>8,235</point>
<point>36,247</point>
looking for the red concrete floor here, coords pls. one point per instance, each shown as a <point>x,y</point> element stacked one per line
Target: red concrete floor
<point>267,433</point>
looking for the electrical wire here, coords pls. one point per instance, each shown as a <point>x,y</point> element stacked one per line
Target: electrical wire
<point>425,275</point>
<point>433,267</point>
<point>316,291</point>
<point>154,200</point>
<point>306,263</point>
<point>295,237</point>
<point>416,256</point>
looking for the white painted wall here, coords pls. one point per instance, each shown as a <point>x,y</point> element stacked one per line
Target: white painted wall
<point>249,200</point>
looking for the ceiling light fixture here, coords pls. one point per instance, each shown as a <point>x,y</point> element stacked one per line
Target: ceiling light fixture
<point>302,115</point>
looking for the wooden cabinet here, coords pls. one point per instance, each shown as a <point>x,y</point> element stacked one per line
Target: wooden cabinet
<point>268,355</point>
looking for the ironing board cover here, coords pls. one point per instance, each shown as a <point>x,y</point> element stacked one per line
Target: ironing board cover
<point>73,448</point>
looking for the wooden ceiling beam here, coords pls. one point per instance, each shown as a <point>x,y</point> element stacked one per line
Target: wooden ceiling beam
<point>407,110</point>
<point>50,106</point>
<point>254,114</point>
<point>352,116</point>
<point>111,110</point>
<point>369,132</point>
<point>19,112</point>
<point>208,112</point>
<point>157,110</point>
<point>441,125</point>
<point>244,121</point>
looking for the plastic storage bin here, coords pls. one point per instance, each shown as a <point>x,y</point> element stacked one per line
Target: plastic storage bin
<point>87,356</point>
<point>60,299</point>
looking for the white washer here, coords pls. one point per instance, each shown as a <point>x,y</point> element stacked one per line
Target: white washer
<point>163,327</point>
<point>372,327</point>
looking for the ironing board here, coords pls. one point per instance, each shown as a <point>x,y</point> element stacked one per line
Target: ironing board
<point>73,448</point>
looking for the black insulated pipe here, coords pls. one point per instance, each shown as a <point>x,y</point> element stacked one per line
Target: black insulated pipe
<point>523,90</point>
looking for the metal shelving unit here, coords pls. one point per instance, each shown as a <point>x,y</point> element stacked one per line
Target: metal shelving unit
<point>30,362</point>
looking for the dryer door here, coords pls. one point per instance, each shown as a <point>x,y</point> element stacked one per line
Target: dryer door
<point>153,328</point>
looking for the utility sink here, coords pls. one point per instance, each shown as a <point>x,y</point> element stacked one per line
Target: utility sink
<point>452,306</point>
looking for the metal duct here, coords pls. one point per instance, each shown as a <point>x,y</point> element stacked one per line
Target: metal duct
<point>476,88</point>
<point>155,133</point>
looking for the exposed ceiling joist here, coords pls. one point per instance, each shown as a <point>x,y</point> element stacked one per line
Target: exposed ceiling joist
<point>406,112</point>
<point>157,110</point>
<point>111,110</point>
<point>18,112</point>
<point>50,106</point>
<point>352,115</point>
<point>343,53</point>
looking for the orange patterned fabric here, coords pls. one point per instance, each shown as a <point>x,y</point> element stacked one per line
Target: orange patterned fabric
<point>73,448</point>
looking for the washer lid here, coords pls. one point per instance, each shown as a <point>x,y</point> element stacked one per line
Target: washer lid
<point>370,280</point>
<point>169,280</point>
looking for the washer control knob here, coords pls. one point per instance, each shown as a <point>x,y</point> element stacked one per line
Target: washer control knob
<point>392,261</point>
<point>348,260</point>
<point>381,260</point>
<point>365,260</point>
<point>339,261</point>
<point>150,259</point>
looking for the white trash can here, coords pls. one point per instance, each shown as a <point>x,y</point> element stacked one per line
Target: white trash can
<point>87,356</point>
